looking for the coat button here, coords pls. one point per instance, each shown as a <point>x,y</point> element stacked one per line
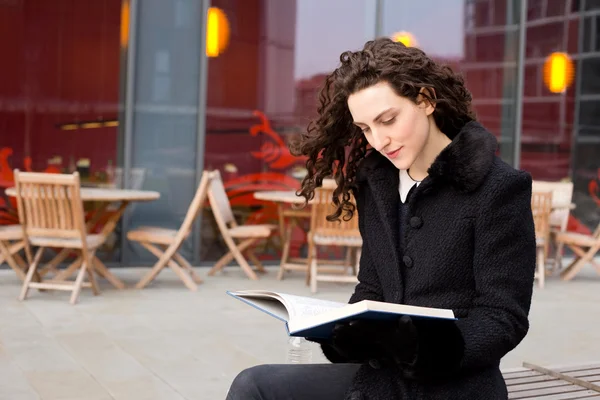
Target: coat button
<point>407,261</point>
<point>356,395</point>
<point>374,364</point>
<point>416,222</point>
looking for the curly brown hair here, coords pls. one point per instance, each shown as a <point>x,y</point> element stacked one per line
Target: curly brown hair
<point>335,146</point>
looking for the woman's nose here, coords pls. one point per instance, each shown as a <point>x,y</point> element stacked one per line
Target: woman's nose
<point>381,141</point>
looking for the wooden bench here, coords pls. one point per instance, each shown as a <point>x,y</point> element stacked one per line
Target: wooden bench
<point>564,382</point>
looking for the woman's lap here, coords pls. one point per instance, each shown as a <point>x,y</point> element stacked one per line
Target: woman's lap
<point>293,381</point>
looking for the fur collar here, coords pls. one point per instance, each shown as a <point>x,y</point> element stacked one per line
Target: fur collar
<point>463,164</point>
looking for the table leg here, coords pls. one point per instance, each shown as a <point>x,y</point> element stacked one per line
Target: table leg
<point>105,273</point>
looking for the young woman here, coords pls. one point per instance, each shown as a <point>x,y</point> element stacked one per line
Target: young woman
<point>445,223</point>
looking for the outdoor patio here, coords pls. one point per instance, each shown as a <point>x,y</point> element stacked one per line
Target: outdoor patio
<point>166,342</point>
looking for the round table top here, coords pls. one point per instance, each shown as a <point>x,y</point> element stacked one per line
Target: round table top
<point>108,195</point>
<point>280,196</point>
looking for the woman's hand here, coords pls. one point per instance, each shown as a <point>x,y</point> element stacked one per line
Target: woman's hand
<point>388,342</point>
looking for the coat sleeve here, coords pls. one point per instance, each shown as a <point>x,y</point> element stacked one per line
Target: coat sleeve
<point>368,287</point>
<point>504,265</point>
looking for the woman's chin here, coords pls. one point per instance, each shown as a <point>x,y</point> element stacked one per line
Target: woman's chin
<point>401,163</point>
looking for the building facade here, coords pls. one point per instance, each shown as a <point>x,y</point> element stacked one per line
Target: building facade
<point>149,93</point>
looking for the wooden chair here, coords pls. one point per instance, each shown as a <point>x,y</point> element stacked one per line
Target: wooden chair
<point>51,215</point>
<point>562,197</point>
<point>290,218</point>
<point>541,206</point>
<point>239,239</point>
<point>324,233</point>
<point>165,243</point>
<point>11,244</point>
<point>585,248</point>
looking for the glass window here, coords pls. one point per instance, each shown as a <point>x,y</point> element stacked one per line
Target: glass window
<point>561,128</point>
<point>479,41</point>
<point>59,92</point>
<point>262,89</point>
<point>165,116</point>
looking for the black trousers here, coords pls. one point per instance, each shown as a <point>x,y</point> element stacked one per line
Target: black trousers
<point>293,382</point>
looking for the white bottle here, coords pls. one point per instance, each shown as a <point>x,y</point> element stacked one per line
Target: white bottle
<point>299,351</point>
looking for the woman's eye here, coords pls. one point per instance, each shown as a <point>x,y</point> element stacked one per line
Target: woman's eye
<point>366,130</point>
<point>389,121</point>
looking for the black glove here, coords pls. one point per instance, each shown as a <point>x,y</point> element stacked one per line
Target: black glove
<point>360,341</point>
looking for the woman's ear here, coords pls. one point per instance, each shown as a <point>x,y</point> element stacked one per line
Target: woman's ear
<point>427,99</point>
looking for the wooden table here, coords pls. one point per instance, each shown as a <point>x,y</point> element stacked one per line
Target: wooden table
<point>288,219</point>
<point>113,205</point>
<point>534,382</point>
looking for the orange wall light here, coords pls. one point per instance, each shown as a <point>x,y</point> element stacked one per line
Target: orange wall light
<point>217,32</point>
<point>125,24</point>
<point>558,72</point>
<point>406,38</point>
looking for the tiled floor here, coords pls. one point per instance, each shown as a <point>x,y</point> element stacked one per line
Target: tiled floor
<point>166,342</point>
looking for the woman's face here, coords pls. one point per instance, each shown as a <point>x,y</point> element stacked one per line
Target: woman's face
<point>393,125</point>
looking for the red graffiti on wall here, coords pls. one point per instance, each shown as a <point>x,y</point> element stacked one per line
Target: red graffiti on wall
<point>275,153</point>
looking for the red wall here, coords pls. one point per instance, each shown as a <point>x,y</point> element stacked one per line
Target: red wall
<point>60,63</point>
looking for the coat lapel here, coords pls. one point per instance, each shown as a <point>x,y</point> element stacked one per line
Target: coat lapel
<point>383,179</point>
<point>384,183</point>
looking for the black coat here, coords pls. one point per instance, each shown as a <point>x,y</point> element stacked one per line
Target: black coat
<point>469,246</point>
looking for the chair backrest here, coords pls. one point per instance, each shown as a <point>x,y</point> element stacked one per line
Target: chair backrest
<point>321,207</point>
<point>541,206</point>
<point>50,205</point>
<point>219,201</point>
<point>194,207</point>
<point>562,196</point>
<point>562,192</point>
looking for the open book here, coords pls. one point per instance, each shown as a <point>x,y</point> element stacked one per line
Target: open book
<point>315,318</point>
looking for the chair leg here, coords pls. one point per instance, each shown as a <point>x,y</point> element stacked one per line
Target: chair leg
<point>348,260</point>
<point>558,257</point>
<point>91,273</point>
<point>312,254</point>
<point>584,257</point>
<point>186,265</point>
<point>52,266</point>
<point>227,258</point>
<point>541,267</point>
<point>185,278</point>
<point>286,250</point>
<point>239,257</point>
<point>79,282</point>
<point>221,263</point>
<point>30,273</point>
<point>12,263</point>
<point>259,266</point>
<point>160,264</point>
<point>67,272</point>
<point>103,271</point>
<point>356,264</point>
<point>313,273</point>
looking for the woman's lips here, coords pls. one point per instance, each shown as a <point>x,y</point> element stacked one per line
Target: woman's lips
<point>393,154</point>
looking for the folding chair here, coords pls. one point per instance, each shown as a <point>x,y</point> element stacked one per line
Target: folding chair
<point>585,248</point>
<point>324,233</point>
<point>11,243</point>
<point>541,206</point>
<point>562,196</point>
<point>51,215</point>
<point>239,239</point>
<point>165,243</point>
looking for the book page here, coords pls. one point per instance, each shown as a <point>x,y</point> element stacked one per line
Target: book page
<point>300,306</point>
